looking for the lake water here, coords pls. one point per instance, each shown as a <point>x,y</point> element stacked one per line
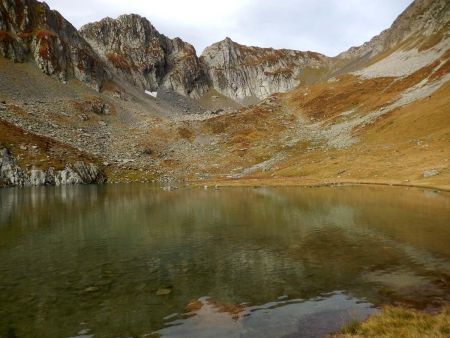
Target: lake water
<point>137,261</point>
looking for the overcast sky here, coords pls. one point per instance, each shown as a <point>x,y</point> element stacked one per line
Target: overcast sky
<point>325,26</point>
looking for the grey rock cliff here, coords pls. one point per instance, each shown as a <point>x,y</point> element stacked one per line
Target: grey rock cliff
<point>242,72</point>
<point>30,30</point>
<point>146,58</point>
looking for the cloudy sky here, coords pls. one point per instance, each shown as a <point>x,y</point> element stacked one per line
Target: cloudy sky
<point>326,26</point>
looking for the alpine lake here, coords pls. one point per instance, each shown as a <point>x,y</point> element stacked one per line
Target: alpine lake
<point>140,261</point>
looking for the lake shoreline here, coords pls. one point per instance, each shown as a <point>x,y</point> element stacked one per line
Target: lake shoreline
<point>312,183</point>
<point>279,182</point>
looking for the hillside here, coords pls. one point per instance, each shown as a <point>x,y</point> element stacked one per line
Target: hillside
<point>378,113</point>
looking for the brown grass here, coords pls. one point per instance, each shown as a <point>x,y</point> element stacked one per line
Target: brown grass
<point>58,154</point>
<point>401,322</point>
<point>444,68</point>
<point>326,100</point>
<point>396,149</point>
<point>284,72</point>
<point>186,133</point>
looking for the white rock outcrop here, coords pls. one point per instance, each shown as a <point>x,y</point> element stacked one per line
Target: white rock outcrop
<point>11,174</point>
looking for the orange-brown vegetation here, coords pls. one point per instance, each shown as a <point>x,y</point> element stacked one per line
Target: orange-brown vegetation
<point>118,61</point>
<point>5,37</point>
<point>396,149</point>
<point>326,100</point>
<point>444,68</point>
<point>186,133</point>
<point>44,34</point>
<point>25,35</point>
<point>285,72</point>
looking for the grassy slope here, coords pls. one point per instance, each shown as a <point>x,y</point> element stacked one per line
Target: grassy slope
<point>400,322</point>
<point>395,149</point>
<point>38,151</point>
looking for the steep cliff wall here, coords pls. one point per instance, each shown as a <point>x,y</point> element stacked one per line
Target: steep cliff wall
<point>243,72</point>
<point>29,30</point>
<point>146,58</point>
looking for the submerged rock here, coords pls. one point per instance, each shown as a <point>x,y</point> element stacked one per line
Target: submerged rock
<point>164,291</point>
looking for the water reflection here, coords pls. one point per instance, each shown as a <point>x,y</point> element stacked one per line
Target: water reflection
<point>130,260</point>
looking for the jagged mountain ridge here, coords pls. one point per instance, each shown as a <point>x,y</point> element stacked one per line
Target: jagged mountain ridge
<point>130,48</point>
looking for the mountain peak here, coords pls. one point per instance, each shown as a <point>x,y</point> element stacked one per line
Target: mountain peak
<point>134,49</point>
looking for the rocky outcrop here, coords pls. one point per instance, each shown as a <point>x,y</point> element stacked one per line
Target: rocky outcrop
<point>11,174</point>
<point>146,58</point>
<point>243,72</point>
<point>30,30</point>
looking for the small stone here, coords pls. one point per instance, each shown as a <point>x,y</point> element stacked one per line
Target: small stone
<point>430,173</point>
<point>91,289</point>
<point>83,117</point>
<point>163,291</point>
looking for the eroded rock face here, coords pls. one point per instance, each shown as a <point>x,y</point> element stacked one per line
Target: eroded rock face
<point>30,30</point>
<point>243,72</point>
<point>146,58</point>
<point>11,174</point>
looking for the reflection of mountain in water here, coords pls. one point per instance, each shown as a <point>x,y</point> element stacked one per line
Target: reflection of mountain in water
<point>295,318</point>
